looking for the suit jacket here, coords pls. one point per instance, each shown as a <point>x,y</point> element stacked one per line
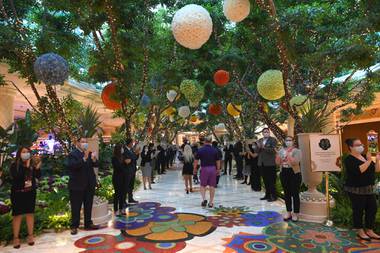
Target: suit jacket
<point>132,166</point>
<point>81,173</point>
<point>267,152</point>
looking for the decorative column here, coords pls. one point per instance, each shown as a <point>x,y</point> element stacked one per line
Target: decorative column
<point>7,98</point>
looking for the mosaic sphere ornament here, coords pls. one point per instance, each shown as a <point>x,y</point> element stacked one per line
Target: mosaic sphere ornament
<point>107,93</point>
<point>234,110</point>
<point>193,118</point>
<point>192,26</point>
<point>220,127</point>
<point>52,69</point>
<point>271,85</point>
<point>221,77</point>
<point>215,109</point>
<point>188,87</point>
<point>236,10</point>
<point>145,101</point>
<point>301,102</point>
<point>171,95</point>
<point>184,111</point>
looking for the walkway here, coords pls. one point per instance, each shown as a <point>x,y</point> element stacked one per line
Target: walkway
<point>168,220</point>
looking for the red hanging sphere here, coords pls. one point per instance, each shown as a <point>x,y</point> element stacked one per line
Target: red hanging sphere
<point>221,77</point>
<point>108,102</point>
<point>215,110</point>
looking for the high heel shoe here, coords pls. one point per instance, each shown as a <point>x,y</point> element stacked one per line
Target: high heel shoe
<point>187,191</point>
<point>16,243</point>
<point>30,240</point>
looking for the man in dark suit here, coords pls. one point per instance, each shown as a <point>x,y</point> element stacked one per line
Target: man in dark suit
<point>130,158</point>
<point>82,183</point>
<point>267,164</point>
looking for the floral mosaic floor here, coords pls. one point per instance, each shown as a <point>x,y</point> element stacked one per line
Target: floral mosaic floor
<point>167,220</point>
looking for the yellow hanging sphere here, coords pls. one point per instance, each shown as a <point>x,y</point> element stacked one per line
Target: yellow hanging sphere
<point>300,104</point>
<point>271,85</point>
<point>234,110</point>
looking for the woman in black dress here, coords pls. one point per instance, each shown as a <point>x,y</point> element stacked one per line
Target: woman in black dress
<point>360,185</point>
<point>228,150</point>
<point>187,171</point>
<point>255,170</point>
<point>119,178</point>
<point>24,172</point>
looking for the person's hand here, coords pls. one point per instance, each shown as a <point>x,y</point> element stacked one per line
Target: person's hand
<point>93,156</point>
<point>128,161</point>
<point>86,153</point>
<point>369,156</point>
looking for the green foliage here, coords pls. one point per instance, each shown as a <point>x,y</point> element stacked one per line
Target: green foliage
<point>88,122</point>
<point>313,120</point>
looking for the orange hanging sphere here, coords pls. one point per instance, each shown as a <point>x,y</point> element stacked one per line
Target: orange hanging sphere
<point>108,102</point>
<point>221,77</point>
<point>214,109</point>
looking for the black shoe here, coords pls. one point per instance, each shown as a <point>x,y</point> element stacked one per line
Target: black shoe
<point>204,203</point>
<point>272,199</point>
<point>248,183</point>
<point>224,173</point>
<point>264,198</point>
<point>210,205</point>
<point>132,202</point>
<point>187,191</point>
<point>91,227</point>
<point>368,239</point>
<point>152,182</point>
<point>124,233</point>
<point>74,231</point>
<point>244,182</point>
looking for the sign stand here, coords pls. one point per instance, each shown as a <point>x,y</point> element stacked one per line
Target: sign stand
<point>329,223</point>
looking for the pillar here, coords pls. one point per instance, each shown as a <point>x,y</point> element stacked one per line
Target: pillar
<point>7,98</point>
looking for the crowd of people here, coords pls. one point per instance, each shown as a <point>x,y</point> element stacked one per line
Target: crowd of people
<point>206,161</point>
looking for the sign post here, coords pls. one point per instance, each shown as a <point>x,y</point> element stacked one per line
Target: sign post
<point>325,157</point>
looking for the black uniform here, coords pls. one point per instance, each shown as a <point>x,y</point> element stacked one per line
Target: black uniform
<point>82,183</point>
<point>131,172</point>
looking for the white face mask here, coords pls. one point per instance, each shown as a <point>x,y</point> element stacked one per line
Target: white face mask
<point>25,156</point>
<point>289,143</point>
<point>84,146</point>
<point>359,149</point>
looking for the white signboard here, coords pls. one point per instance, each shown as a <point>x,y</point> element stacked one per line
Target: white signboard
<point>325,152</point>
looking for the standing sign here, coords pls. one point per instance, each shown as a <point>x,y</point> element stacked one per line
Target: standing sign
<point>325,152</point>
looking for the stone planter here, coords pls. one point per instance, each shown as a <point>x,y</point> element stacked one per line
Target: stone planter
<point>100,212</point>
<point>313,203</point>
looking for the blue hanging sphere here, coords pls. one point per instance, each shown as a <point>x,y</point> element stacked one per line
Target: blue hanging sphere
<point>51,69</point>
<point>145,100</point>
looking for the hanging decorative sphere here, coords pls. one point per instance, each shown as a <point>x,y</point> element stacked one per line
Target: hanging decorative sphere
<point>214,109</point>
<point>300,104</point>
<point>271,85</point>
<point>192,26</point>
<point>234,110</point>
<point>145,101</point>
<point>184,111</point>
<point>51,69</point>
<point>171,95</point>
<point>188,87</point>
<point>236,10</point>
<point>193,118</point>
<point>221,77</point>
<point>193,104</point>
<point>107,93</point>
<point>220,127</point>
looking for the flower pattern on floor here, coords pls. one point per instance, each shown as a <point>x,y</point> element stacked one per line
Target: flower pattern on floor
<point>227,221</point>
<point>302,237</point>
<point>243,242</point>
<point>261,219</point>
<point>103,243</point>
<point>230,211</point>
<point>141,214</point>
<point>185,227</point>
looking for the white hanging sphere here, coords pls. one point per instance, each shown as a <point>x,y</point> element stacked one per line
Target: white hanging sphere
<point>184,111</point>
<point>171,95</point>
<point>236,10</point>
<point>220,127</point>
<point>192,26</point>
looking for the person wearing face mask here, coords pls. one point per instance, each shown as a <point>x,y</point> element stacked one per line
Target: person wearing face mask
<point>82,183</point>
<point>360,186</point>
<point>146,165</point>
<point>267,164</point>
<point>130,157</point>
<point>288,158</point>
<point>24,172</point>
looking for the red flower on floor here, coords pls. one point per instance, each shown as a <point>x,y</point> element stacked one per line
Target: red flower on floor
<point>103,243</point>
<point>226,221</point>
<point>320,237</point>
